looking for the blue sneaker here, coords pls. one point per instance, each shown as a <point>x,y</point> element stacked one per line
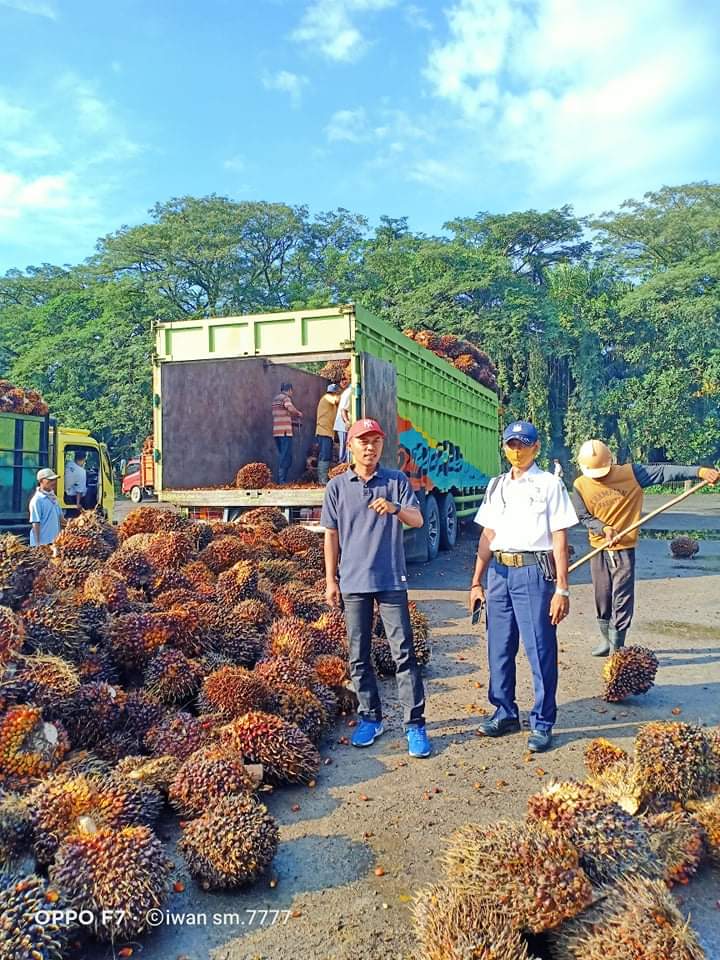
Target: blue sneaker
<point>418,742</point>
<point>367,733</point>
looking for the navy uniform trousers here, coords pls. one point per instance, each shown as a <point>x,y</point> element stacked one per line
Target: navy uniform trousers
<point>518,605</point>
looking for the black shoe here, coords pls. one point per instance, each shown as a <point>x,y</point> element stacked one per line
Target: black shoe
<point>539,741</point>
<point>498,728</point>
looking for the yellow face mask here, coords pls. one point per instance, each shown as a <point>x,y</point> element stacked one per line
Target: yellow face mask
<point>521,458</point>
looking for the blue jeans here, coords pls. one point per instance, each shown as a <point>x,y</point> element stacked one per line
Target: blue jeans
<point>518,605</point>
<point>395,616</point>
<point>284,448</point>
<point>325,446</point>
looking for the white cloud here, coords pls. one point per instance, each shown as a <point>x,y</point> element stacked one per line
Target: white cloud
<point>236,164</point>
<point>286,82</point>
<point>38,8</point>
<point>416,17</point>
<point>331,27</point>
<point>348,125</point>
<point>19,196</point>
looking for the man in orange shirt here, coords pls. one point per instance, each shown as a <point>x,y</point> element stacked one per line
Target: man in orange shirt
<point>608,498</point>
<point>284,412</point>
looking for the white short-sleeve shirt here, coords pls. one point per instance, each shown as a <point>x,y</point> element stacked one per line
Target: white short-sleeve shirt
<point>75,479</point>
<point>524,513</point>
<point>344,404</point>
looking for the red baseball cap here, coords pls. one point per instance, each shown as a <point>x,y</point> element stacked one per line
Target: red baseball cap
<point>361,428</point>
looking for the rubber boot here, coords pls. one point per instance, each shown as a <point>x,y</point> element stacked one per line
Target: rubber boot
<point>323,467</point>
<point>603,648</point>
<point>617,638</point>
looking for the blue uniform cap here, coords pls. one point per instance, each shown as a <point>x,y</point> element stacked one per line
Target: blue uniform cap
<point>521,430</point>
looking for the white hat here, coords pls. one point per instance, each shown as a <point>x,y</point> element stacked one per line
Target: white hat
<point>46,474</point>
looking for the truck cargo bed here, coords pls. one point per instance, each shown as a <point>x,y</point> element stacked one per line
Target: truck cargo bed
<point>232,497</point>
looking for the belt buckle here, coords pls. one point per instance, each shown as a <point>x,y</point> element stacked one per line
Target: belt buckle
<point>517,560</point>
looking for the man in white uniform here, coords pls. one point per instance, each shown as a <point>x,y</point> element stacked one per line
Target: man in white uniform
<point>526,514</point>
<point>76,478</point>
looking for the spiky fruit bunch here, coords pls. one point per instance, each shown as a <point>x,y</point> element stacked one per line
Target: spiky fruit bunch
<point>628,672</point>
<point>286,754</point>
<point>330,670</point>
<point>15,830</point>
<point>338,470</point>
<point>277,571</point>
<point>231,691</point>
<point>74,542</point>
<point>57,803</point>
<point>94,712</point>
<point>636,919</point>
<point>93,618</point>
<point>171,677</point>
<point>265,515</point>
<point>92,521</point>
<point>155,772</point>
<point>231,843</point>
<point>19,565</point>
<point>601,754</point>
<point>46,681</point>
<point>118,875</point>
<point>97,664</point>
<point>206,777</point>
<point>347,701</point>
<point>148,520</point>
<point>610,842</point>
<point>12,634</point>
<point>238,583</point>
<point>142,712</point>
<point>312,559</point>
<point>713,741</point>
<point>178,735</point>
<point>328,697</point>
<point>201,577</point>
<point>452,924</point>
<point>134,637</point>
<point>502,856</point>
<point>331,633</point>
<point>678,841</point>
<point>707,814</point>
<point>253,476</point>
<point>170,550</point>
<point>684,547</point>
<point>296,599</point>
<point>299,706</point>
<point>673,760</point>
<point>180,597</point>
<point>132,565</point>
<point>224,528</point>
<point>420,625</point>
<point>333,370</point>
<point>292,637</point>
<point>229,635</point>
<point>222,553</point>
<point>166,580</point>
<point>108,588</point>
<point>67,574</point>
<point>296,539</point>
<point>22,901</point>
<point>84,763</point>
<point>254,610</point>
<point>620,784</point>
<point>279,671</point>
<point>382,657</point>
<point>53,625</point>
<point>29,746</point>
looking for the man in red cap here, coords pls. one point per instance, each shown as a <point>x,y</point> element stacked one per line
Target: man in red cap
<point>363,514</point>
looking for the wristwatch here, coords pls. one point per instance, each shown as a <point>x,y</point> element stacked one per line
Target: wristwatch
<point>562,593</point>
<point>398,507</point>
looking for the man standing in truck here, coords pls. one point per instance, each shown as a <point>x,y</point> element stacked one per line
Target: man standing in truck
<point>76,479</point>
<point>325,429</point>
<point>284,412</point>
<point>46,516</point>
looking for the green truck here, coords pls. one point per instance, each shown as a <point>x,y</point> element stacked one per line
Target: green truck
<point>214,380</point>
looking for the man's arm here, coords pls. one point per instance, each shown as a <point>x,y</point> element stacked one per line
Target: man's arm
<point>482,561</point>
<point>331,549</point>
<point>649,474</point>
<point>584,516</point>
<point>36,532</point>
<point>560,605</point>
<point>292,409</point>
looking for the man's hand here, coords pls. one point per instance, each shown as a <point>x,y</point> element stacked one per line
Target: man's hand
<point>382,506</point>
<point>710,474</point>
<point>332,593</point>
<point>611,535</point>
<point>476,593</point>
<point>559,608</point>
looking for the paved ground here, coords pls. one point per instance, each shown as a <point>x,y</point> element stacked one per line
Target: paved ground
<point>330,848</point>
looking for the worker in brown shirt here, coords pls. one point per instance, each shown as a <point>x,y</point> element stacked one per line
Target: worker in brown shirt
<point>608,498</point>
<point>325,429</point>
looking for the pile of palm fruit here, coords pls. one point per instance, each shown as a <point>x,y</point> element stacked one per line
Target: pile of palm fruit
<point>17,400</point>
<point>161,665</point>
<point>587,875</point>
<point>462,354</point>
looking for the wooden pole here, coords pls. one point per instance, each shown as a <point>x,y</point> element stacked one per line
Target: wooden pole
<point>638,523</point>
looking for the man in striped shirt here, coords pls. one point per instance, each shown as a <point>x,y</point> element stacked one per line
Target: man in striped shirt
<point>284,412</point>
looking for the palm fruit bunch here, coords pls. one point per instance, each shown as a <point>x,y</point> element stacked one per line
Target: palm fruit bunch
<point>133,638</point>
<point>45,681</point>
<point>206,777</point>
<point>76,541</point>
<point>238,583</point>
<point>280,670</point>
<point>229,633</point>
<point>178,734</point>
<point>200,577</point>
<point>636,919</point>
<point>231,691</point>
<point>331,633</point>
<point>166,580</point>
<point>334,371</point>
<point>141,713</point>
<point>707,814</point>
<point>421,640</point>
<point>19,565</point>
<point>331,670</point>
<point>53,625</point>
<point>296,599</point>
<point>610,841</point>
<point>421,633</point>
<point>462,354</point>
<point>713,740</point>
<point>297,539</point>
<point>93,619</point>
<point>97,664</point>
<point>501,857</point>
<point>182,630</point>
<point>14,399</point>
<point>619,783</point>
<point>30,747</point>
<point>253,476</point>
<point>93,712</point>
<point>254,610</point>
<point>132,565</point>
<point>15,830</point>
<point>179,597</point>
<point>673,760</point>
<point>222,553</point>
<point>285,753</point>
<point>277,571</point>
<point>628,672</point>
<point>65,574</point>
<point>338,470</point>
<point>22,900</point>
<point>601,754</point>
<point>292,637</point>
<point>677,839</point>
<point>329,698</point>
<point>92,521</point>
<point>169,550</point>
<point>382,657</point>
<point>171,677</point>
<point>12,634</point>
<point>149,520</point>
<point>301,707</point>
<point>107,588</point>
<point>264,515</point>
<point>452,924</point>
<point>119,875</point>
<point>155,772</point>
<point>684,548</point>
<point>231,843</point>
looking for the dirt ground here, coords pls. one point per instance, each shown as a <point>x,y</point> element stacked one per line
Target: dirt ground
<point>376,809</point>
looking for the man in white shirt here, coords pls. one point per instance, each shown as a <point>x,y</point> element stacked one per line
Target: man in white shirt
<point>46,518</point>
<point>342,420</point>
<point>76,479</point>
<point>526,514</point>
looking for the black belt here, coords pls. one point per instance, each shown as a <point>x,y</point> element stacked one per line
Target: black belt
<point>511,559</point>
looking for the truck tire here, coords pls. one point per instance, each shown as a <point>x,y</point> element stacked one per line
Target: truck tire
<point>432,527</point>
<point>448,522</point>
<point>136,494</point>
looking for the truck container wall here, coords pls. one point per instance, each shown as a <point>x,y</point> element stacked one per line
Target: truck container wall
<point>24,448</point>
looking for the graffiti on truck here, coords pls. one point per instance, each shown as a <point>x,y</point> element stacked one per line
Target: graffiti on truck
<point>434,463</point>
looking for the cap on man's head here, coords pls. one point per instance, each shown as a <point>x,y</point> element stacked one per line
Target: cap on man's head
<point>333,388</point>
<point>521,430</point>
<point>361,428</point>
<point>46,474</point>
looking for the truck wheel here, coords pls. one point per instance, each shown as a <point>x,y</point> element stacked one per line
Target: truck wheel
<point>136,494</point>
<point>448,522</point>
<point>432,527</point>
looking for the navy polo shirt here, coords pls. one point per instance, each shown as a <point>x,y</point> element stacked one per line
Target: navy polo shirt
<point>372,557</point>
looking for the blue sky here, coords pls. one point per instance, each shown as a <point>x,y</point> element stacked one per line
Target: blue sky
<point>410,108</point>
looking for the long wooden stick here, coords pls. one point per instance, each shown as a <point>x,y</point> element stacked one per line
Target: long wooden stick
<point>638,523</point>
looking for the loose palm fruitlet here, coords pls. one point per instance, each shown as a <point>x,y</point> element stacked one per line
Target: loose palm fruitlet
<point>601,754</point>
<point>29,746</point>
<point>636,919</point>
<point>118,875</point>
<point>678,841</point>
<point>673,760</point>
<point>19,565</point>
<point>502,857</point>
<point>22,899</point>
<point>231,843</point>
<point>628,672</point>
<point>452,924</point>
<point>207,776</point>
<point>684,547</point>
<point>253,476</point>
<point>286,754</point>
